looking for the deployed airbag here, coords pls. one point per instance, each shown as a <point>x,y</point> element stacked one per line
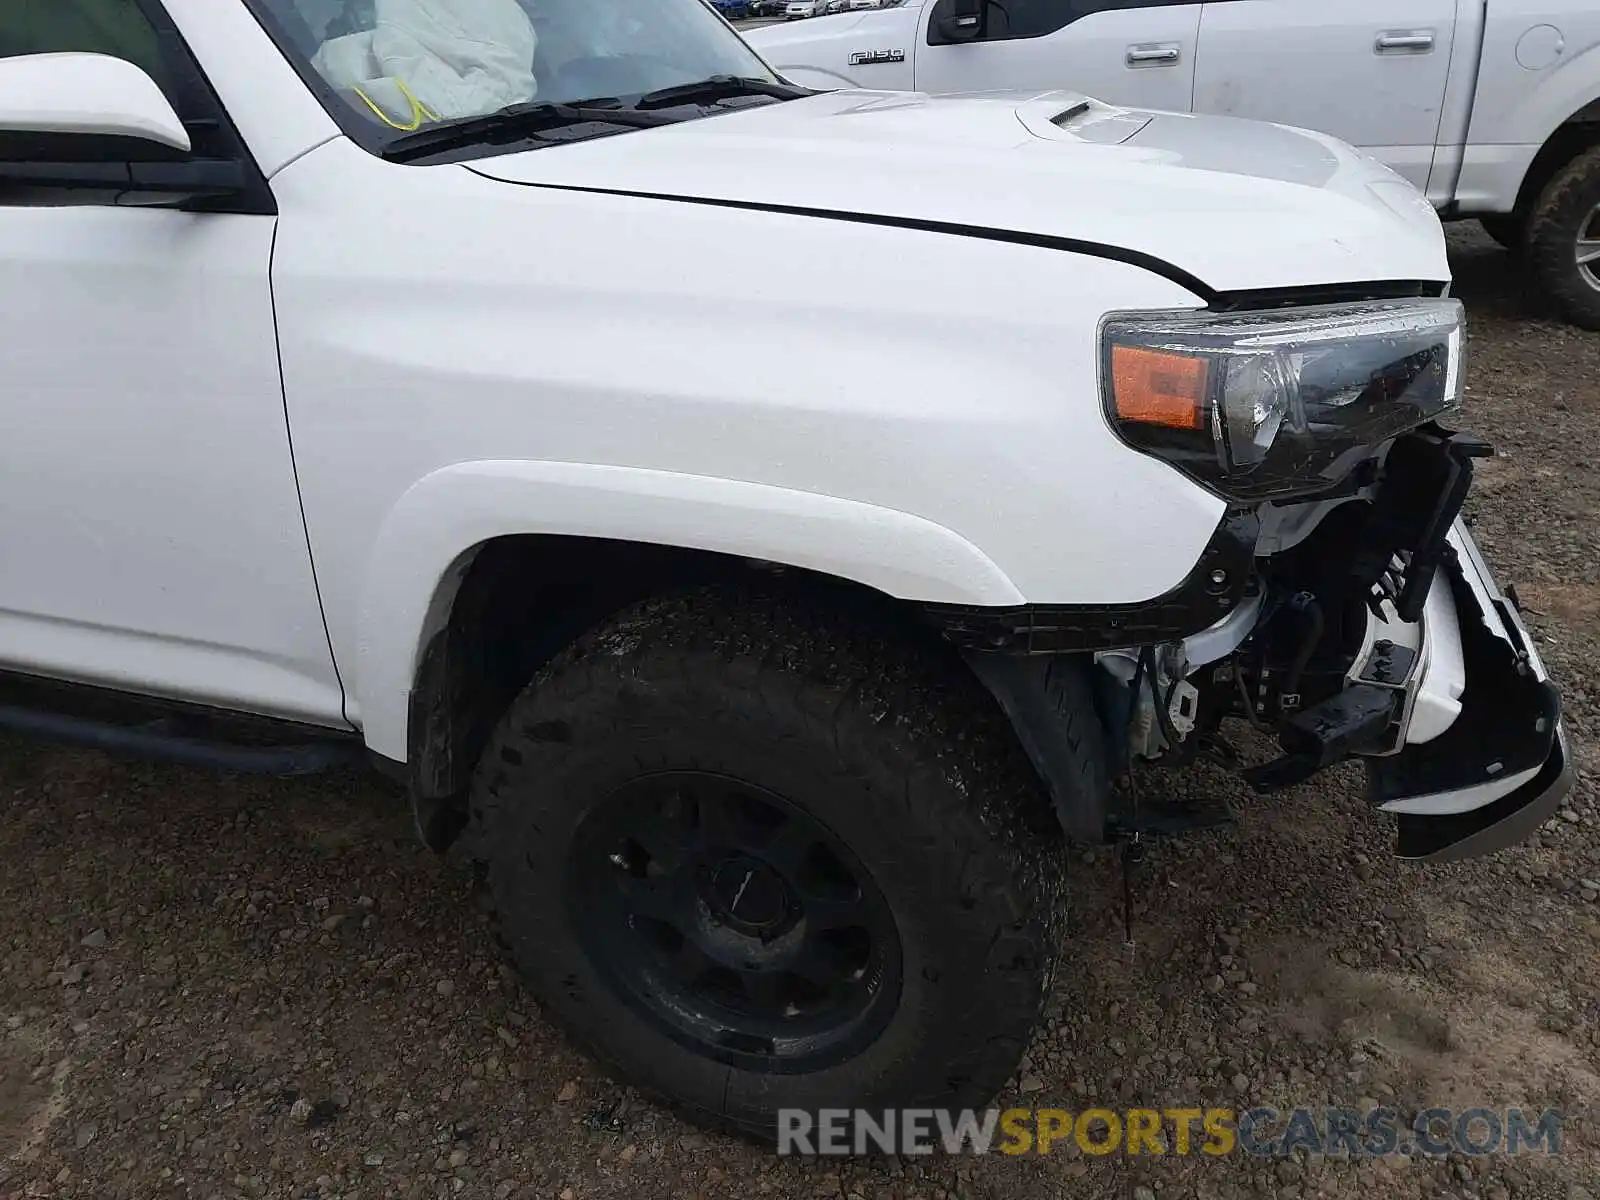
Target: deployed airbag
<point>435,59</point>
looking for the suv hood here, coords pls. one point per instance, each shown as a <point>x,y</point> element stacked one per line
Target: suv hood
<point>1236,205</point>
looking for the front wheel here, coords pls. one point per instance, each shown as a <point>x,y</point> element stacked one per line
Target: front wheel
<point>758,861</point>
<point>1564,239</point>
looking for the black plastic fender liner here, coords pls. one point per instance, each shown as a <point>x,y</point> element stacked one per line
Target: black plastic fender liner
<point>1037,662</point>
<point>435,778</point>
<point>1050,702</point>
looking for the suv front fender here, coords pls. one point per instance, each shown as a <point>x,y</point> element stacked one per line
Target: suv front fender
<point>430,536</point>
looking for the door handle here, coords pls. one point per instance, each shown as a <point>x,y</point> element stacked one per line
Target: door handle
<point>1418,41</point>
<point>1164,55</point>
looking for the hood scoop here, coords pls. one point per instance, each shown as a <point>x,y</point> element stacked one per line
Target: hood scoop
<point>1067,116</point>
<point>1070,114</point>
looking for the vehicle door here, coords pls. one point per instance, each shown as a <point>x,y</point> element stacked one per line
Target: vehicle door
<point>152,537</point>
<point>1371,72</point>
<point>1134,52</point>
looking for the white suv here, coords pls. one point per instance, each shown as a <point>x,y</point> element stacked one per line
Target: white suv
<point>359,406</point>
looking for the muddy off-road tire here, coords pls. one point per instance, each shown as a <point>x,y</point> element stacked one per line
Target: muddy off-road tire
<point>754,859</point>
<point>1563,232</point>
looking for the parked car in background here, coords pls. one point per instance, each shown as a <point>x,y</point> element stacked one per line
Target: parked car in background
<point>734,10</point>
<point>1491,107</point>
<point>796,9</point>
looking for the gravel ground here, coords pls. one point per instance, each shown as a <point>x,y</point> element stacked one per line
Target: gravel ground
<point>223,988</point>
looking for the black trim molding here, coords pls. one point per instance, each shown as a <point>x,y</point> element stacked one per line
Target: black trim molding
<point>1266,299</point>
<point>1217,301</point>
<point>1148,262</point>
<point>169,730</point>
<point>1210,592</point>
<point>1057,15</point>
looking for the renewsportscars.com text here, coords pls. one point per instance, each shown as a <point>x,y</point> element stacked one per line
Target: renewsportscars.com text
<point>1261,1132</point>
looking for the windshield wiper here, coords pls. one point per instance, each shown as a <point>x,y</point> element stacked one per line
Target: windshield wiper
<point>515,122</point>
<point>718,87</point>
<point>530,120</point>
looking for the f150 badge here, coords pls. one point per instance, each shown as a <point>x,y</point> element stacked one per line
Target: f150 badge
<point>869,58</point>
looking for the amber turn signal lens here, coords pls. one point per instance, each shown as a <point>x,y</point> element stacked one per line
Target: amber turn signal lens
<point>1155,387</point>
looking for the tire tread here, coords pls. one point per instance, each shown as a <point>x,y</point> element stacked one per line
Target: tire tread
<point>865,691</point>
<point>1552,232</point>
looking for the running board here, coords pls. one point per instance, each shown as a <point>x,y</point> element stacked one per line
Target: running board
<point>169,731</point>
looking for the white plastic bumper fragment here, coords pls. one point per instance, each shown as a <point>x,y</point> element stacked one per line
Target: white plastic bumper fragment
<point>1438,679</point>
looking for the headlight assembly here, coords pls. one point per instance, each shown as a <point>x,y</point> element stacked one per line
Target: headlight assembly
<point>1276,404</point>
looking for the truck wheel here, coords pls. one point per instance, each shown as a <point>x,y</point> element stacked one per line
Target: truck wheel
<point>1564,239</point>
<point>1507,229</point>
<point>754,860</point>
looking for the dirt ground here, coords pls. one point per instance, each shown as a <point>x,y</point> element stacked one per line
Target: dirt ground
<point>225,988</point>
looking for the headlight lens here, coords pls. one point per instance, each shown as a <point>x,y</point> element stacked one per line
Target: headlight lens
<point>1274,404</point>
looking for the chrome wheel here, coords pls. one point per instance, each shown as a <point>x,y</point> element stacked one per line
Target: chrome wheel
<point>1588,249</point>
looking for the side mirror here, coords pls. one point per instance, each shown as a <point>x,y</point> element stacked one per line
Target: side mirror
<point>73,123</point>
<point>88,95</point>
<point>964,22</point>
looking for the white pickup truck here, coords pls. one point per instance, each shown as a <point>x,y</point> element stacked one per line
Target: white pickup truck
<point>1490,107</point>
<point>367,395</point>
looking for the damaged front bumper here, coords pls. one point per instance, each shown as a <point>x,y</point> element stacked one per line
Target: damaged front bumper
<point>1364,625</point>
<point>1429,675</point>
<point>1483,760</point>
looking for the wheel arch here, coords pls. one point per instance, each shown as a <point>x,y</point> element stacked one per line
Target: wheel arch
<point>523,598</point>
<point>468,539</point>
<point>1569,138</point>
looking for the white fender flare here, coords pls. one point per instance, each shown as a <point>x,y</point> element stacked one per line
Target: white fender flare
<point>431,534</point>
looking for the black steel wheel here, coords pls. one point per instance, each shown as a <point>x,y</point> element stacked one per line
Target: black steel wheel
<point>734,921</point>
<point>756,857</point>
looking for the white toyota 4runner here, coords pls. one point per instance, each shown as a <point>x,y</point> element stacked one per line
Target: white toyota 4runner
<point>756,523</point>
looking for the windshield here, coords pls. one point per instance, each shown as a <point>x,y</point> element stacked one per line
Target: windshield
<point>398,66</point>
